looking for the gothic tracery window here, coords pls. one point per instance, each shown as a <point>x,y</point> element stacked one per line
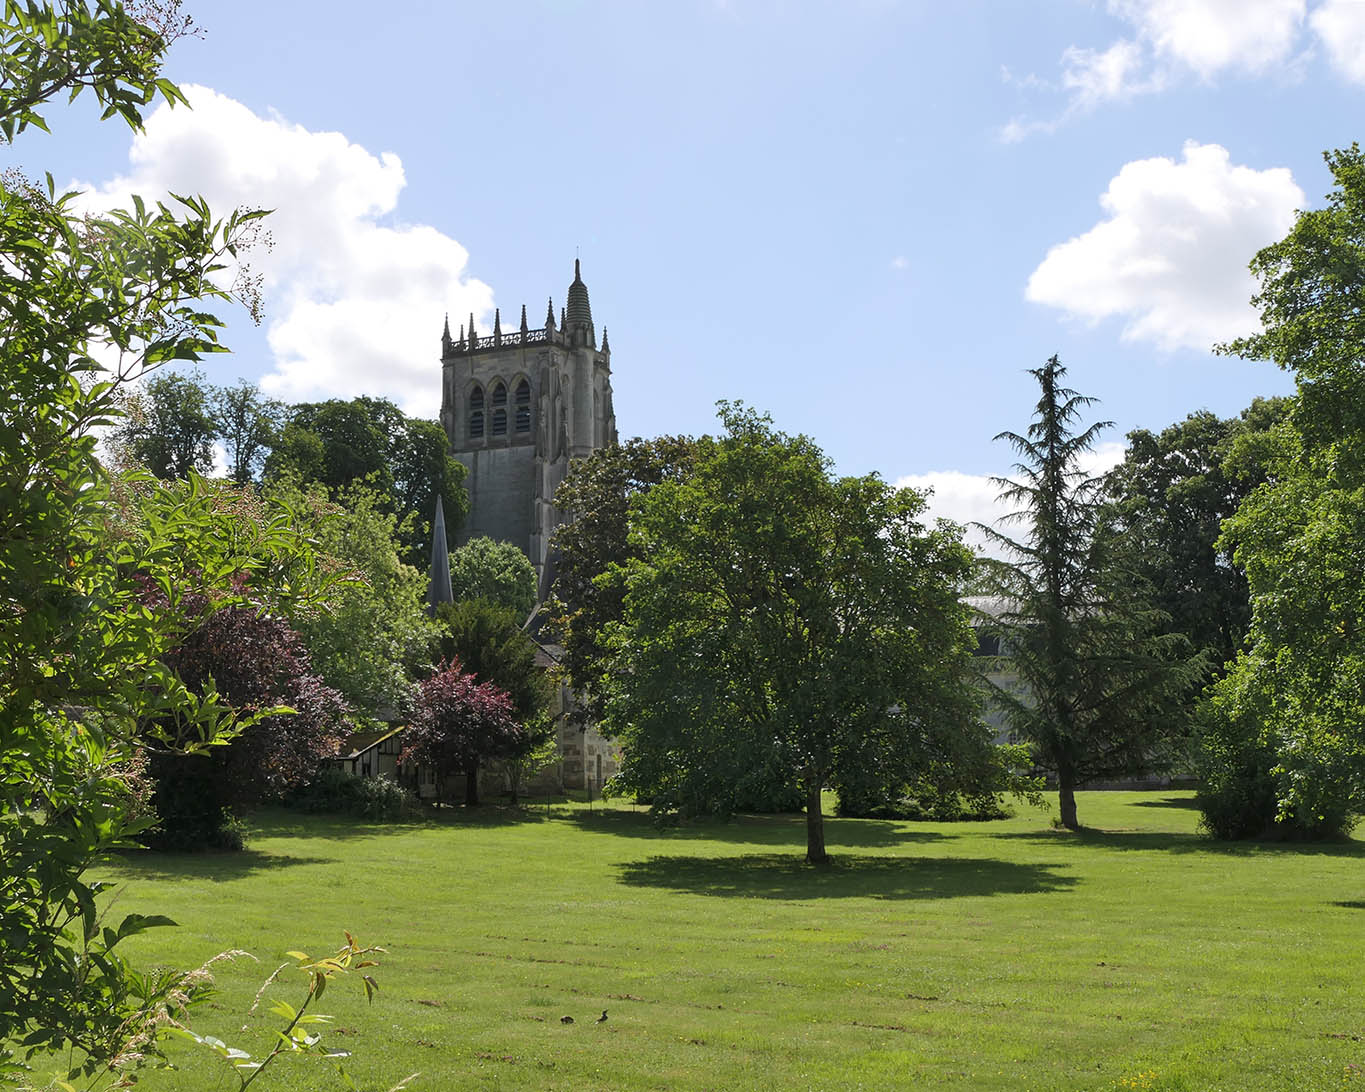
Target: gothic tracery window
<point>476,413</point>
<point>523,406</point>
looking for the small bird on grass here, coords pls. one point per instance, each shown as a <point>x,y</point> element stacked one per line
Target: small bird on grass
<point>566,1019</point>
<point>601,1019</point>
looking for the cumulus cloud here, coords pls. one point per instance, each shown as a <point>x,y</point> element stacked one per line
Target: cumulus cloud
<point>1340,24</point>
<point>969,499</point>
<point>354,298</point>
<point>1103,457</point>
<point>1170,258</point>
<point>1169,40</point>
<point>962,498</point>
<point>1210,36</point>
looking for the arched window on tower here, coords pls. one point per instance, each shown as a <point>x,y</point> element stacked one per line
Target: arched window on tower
<point>476,414</point>
<point>523,404</point>
<point>500,410</point>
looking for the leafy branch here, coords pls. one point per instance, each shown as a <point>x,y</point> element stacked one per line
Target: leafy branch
<point>302,1032</point>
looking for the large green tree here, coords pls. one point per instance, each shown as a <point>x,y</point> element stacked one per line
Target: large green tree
<point>781,623</point>
<point>82,668</point>
<point>1171,495</point>
<point>591,549</point>
<point>1101,678</point>
<point>169,425</point>
<point>171,422</point>
<point>248,423</point>
<point>1173,490</point>
<point>374,639</point>
<point>406,460</point>
<point>497,571</point>
<point>1285,750</point>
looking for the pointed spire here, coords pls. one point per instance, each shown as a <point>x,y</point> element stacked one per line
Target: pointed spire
<point>473,337</point>
<point>497,326</point>
<point>605,347</point>
<point>461,341</point>
<point>550,314</point>
<point>445,334</point>
<point>438,588</point>
<point>562,322</point>
<point>579,316</point>
<point>523,321</point>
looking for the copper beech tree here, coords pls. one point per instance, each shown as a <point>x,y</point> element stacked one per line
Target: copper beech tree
<point>460,724</point>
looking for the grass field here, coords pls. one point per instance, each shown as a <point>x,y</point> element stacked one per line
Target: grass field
<point>954,956</point>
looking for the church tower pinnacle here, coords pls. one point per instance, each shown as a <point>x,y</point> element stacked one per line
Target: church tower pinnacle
<point>578,314</point>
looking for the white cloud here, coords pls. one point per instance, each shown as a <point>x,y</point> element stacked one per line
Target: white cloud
<point>1094,76</point>
<point>900,262</point>
<point>220,460</point>
<point>974,498</point>
<point>1103,457</point>
<point>1168,40</point>
<point>354,297</point>
<point>962,498</point>
<point>1341,26</point>
<point>1091,77</point>
<point>1017,129</point>
<point>1210,36</point>
<point>1171,256</point>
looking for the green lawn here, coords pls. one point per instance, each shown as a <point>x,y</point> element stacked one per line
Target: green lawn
<point>941,956</point>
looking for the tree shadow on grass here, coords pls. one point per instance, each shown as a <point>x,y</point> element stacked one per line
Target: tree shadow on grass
<point>1188,803</point>
<point>288,823</point>
<point>217,866</point>
<point>787,876</point>
<point>1171,842</point>
<point>770,830</point>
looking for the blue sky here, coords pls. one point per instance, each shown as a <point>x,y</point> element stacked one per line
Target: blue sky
<point>868,218</point>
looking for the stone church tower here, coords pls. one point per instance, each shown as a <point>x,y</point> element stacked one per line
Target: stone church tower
<point>517,408</point>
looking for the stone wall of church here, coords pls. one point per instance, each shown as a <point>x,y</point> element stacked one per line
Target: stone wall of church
<point>588,760</point>
<point>504,480</point>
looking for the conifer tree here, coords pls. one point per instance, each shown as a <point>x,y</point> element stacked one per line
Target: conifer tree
<point>1096,672</point>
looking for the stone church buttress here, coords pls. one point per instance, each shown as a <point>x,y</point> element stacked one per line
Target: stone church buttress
<point>517,407</point>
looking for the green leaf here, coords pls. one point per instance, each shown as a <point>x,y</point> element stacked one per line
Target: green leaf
<point>139,923</point>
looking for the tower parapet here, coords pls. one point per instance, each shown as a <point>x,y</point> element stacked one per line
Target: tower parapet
<point>545,335</point>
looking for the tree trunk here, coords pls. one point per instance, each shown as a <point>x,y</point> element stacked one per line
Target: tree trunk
<point>815,825</point>
<point>471,786</point>
<point>1066,797</point>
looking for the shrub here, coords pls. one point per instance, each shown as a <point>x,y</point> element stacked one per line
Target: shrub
<point>336,791</point>
<point>1238,763</point>
<point>924,803</point>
